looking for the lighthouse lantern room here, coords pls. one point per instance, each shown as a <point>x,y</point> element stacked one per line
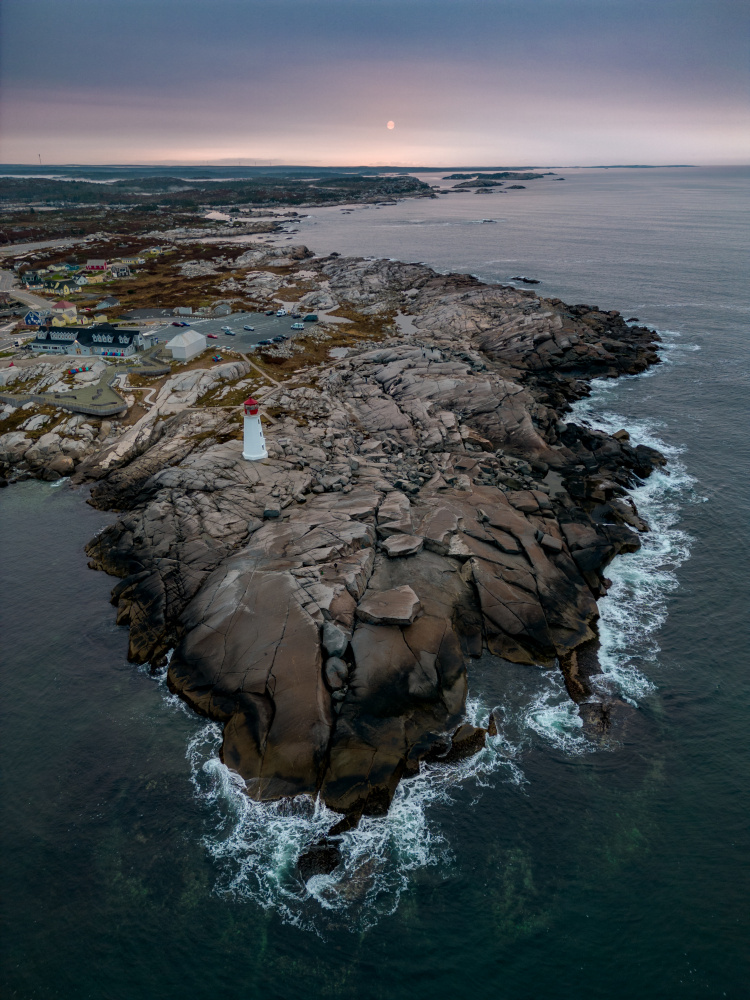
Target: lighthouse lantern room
<point>254,443</point>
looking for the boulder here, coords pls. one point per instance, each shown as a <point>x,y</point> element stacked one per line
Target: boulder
<point>402,545</point>
<point>334,640</point>
<point>399,606</point>
<point>251,657</point>
<point>336,673</point>
<point>63,465</point>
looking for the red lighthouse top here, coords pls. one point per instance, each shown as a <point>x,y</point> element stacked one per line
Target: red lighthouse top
<point>251,407</point>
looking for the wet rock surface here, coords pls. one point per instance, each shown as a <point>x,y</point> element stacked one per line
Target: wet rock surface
<point>425,499</point>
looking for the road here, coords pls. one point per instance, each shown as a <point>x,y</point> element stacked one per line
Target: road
<point>16,249</point>
<point>7,281</point>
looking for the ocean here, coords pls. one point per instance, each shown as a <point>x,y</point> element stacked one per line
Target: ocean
<point>552,865</point>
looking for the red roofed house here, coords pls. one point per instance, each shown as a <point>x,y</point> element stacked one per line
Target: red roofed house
<point>63,312</point>
<point>96,265</point>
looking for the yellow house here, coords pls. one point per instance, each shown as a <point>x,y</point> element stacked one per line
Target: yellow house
<point>63,313</point>
<point>95,278</point>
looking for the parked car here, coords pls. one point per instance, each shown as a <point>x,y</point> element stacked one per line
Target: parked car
<point>263,343</point>
<point>269,312</point>
<point>311,318</point>
<point>281,312</point>
<point>230,333</point>
<point>250,328</point>
<point>296,315</point>
<point>277,340</point>
<point>175,323</point>
<point>298,326</point>
<point>212,336</point>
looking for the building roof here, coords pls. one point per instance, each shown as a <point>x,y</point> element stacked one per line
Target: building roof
<point>85,334</point>
<point>62,304</point>
<point>186,339</point>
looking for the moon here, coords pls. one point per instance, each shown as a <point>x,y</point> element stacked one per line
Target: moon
<point>390,125</point>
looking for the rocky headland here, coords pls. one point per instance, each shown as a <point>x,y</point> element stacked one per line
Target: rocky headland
<point>425,500</point>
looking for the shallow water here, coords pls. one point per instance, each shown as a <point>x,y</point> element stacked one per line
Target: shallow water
<point>552,865</point>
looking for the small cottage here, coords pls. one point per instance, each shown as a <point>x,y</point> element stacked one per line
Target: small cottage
<point>96,265</point>
<point>109,303</point>
<point>35,317</point>
<point>119,271</point>
<point>65,311</point>
<point>63,286</point>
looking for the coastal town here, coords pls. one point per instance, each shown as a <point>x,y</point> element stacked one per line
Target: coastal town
<point>47,336</point>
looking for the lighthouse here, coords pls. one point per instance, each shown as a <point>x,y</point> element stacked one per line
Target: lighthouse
<point>254,443</point>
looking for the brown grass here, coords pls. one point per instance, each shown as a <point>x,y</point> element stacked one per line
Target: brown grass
<point>19,415</point>
<point>134,414</point>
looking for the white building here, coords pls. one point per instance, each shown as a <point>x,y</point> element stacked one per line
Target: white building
<point>187,345</point>
<point>253,442</point>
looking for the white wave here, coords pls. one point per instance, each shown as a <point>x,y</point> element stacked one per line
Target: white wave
<point>554,717</point>
<point>256,844</point>
<point>636,606</point>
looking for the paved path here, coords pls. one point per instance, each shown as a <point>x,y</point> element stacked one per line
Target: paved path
<point>259,370</point>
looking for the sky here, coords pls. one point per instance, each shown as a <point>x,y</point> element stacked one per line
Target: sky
<point>466,82</point>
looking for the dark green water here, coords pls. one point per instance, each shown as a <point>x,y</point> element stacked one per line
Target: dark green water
<point>552,867</point>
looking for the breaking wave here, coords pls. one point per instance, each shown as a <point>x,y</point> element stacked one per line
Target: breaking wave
<point>256,845</point>
<point>637,604</point>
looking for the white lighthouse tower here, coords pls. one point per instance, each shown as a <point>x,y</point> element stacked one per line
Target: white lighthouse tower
<point>254,443</point>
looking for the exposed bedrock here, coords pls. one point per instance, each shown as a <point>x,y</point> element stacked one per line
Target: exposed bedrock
<point>424,500</point>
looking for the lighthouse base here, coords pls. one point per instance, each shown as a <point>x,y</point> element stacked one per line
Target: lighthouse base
<point>255,456</point>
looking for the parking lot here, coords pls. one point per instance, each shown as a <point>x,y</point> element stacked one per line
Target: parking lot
<point>266,328</point>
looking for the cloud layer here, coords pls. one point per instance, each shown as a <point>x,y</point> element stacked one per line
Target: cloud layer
<point>316,81</point>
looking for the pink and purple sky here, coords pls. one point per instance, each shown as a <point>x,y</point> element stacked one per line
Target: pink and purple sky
<point>547,82</point>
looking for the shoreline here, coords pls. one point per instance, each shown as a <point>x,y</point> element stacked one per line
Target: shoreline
<point>439,454</point>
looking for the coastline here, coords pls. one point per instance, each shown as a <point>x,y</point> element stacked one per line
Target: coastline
<point>438,455</point>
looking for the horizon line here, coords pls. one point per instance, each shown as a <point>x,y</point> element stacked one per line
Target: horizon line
<point>318,166</point>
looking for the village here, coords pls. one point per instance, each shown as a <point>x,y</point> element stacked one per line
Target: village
<point>170,328</point>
